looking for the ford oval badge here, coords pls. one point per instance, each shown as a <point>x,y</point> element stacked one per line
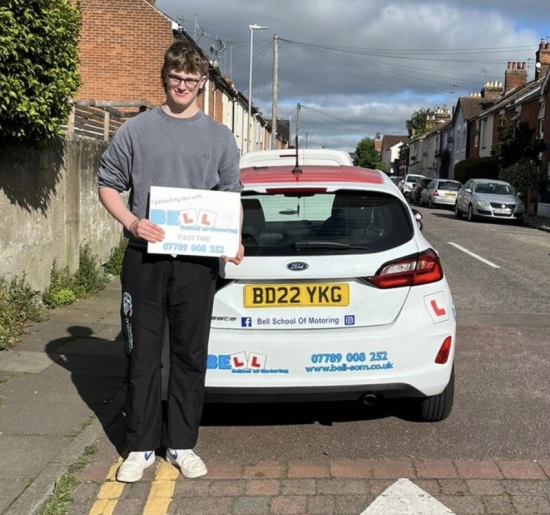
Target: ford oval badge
<point>297,266</point>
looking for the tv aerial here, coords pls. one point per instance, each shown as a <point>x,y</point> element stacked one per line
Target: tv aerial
<point>216,47</point>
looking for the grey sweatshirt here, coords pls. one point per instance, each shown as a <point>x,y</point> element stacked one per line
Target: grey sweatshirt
<point>154,149</point>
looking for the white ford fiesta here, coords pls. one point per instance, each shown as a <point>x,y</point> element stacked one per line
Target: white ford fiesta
<point>339,296</point>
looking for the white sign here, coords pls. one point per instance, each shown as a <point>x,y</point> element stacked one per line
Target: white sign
<point>196,222</point>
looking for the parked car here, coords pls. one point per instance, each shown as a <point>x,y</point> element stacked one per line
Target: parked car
<point>440,192</point>
<point>408,184</point>
<point>419,186</point>
<point>490,199</point>
<point>306,156</point>
<point>339,297</point>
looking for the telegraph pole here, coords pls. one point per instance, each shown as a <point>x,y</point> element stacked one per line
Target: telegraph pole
<point>274,95</point>
<point>298,120</point>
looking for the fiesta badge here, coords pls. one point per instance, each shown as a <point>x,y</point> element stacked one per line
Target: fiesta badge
<point>297,266</point>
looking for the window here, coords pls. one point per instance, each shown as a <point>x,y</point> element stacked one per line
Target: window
<point>298,224</point>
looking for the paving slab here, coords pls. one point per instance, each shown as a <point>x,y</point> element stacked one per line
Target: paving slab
<point>27,463</point>
<point>10,489</point>
<point>28,362</point>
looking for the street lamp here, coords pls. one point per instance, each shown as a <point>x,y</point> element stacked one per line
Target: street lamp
<point>252,29</point>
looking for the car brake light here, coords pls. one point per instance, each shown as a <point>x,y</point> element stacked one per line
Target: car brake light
<point>444,351</point>
<point>436,193</point>
<point>413,270</point>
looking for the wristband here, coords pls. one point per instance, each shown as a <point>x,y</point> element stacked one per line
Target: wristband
<point>132,225</point>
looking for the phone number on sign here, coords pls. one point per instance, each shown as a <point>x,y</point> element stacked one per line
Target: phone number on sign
<point>183,247</point>
<point>351,357</point>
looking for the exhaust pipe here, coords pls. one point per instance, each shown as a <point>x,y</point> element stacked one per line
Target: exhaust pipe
<point>370,399</point>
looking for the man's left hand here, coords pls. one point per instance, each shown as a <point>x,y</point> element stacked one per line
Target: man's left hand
<point>238,258</point>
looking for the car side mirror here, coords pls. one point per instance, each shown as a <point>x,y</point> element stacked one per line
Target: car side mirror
<point>468,190</point>
<point>519,194</point>
<point>418,217</point>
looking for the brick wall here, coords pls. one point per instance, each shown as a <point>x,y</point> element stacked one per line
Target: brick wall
<point>121,50</point>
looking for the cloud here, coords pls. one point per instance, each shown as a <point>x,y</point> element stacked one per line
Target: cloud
<point>360,68</point>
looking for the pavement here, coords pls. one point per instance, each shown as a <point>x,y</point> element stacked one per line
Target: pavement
<point>62,390</point>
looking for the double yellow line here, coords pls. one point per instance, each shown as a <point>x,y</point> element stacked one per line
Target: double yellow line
<point>158,500</point>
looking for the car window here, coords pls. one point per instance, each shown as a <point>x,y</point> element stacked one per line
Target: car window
<point>412,178</point>
<point>494,188</point>
<point>280,224</point>
<point>449,185</point>
<point>431,185</point>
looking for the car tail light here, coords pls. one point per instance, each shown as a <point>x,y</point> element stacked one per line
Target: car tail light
<point>413,270</point>
<point>444,351</point>
<point>436,193</point>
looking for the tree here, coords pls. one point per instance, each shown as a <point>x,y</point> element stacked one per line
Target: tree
<point>38,68</point>
<point>524,175</point>
<point>517,143</point>
<point>416,125</point>
<point>367,156</point>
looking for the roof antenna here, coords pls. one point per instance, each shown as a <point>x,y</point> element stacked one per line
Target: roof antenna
<point>297,168</point>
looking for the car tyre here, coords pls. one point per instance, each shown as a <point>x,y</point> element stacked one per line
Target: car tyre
<point>471,216</point>
<point>437,407</point>
<point>458,214</point>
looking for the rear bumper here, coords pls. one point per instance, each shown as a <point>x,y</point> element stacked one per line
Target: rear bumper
<point>444,201</point>
<point>310,394</point>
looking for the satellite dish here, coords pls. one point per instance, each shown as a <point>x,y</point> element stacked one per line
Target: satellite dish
<point>217,46</point>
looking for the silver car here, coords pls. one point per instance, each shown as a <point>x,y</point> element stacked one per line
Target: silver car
<point>440,192</point>
<point>489,198</point>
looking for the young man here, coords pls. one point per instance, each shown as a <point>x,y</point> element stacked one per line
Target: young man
<point>173,145</point>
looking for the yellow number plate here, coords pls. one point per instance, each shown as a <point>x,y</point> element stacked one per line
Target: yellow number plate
<point>295,295</point>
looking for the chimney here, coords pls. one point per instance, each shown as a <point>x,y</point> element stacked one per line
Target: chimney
<point>515,76</point>
<point>491,90</point>
<point>542,59</point>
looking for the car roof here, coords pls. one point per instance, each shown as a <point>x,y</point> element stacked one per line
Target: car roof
<point>310,156</point>
<point>315,174</point>
<point>491,180</point>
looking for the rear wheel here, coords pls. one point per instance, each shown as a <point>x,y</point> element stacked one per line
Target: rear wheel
<point>437,407</point>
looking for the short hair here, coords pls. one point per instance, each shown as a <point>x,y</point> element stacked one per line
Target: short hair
<point>183,57</point>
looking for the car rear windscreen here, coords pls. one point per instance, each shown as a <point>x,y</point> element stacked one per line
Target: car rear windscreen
<point>345,221</point>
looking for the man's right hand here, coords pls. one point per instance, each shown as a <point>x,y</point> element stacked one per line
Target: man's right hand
<point>143,229</point>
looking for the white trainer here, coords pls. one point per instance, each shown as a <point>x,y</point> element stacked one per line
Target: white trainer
<point>187,461</point>
<point>133,466</point>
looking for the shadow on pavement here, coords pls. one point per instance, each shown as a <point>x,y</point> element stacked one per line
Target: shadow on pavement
<point>324,413</point>
<point>98,370</point>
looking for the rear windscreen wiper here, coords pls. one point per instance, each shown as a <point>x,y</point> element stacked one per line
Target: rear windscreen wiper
<point>332,245</point>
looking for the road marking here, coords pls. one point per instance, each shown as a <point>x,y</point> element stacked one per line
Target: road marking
<point>109,493</point>
<point>483,260</point>
<point>162,489</point>
<point>405,498</point>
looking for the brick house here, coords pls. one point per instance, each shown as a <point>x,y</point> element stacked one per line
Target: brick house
<point>121,50</point>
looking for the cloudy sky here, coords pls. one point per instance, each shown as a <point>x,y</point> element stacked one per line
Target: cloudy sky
<point>361,67</point>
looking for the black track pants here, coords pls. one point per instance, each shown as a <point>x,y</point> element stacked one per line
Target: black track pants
<point>155,287</point>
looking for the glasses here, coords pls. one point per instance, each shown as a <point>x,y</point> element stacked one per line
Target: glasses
<point>174,80</point>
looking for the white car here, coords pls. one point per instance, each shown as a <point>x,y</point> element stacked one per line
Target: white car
<point>306,156</point>
<point>408,184</point>
<point>339,297</point>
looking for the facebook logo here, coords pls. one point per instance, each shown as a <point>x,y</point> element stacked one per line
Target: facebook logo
<point>246,321</point>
